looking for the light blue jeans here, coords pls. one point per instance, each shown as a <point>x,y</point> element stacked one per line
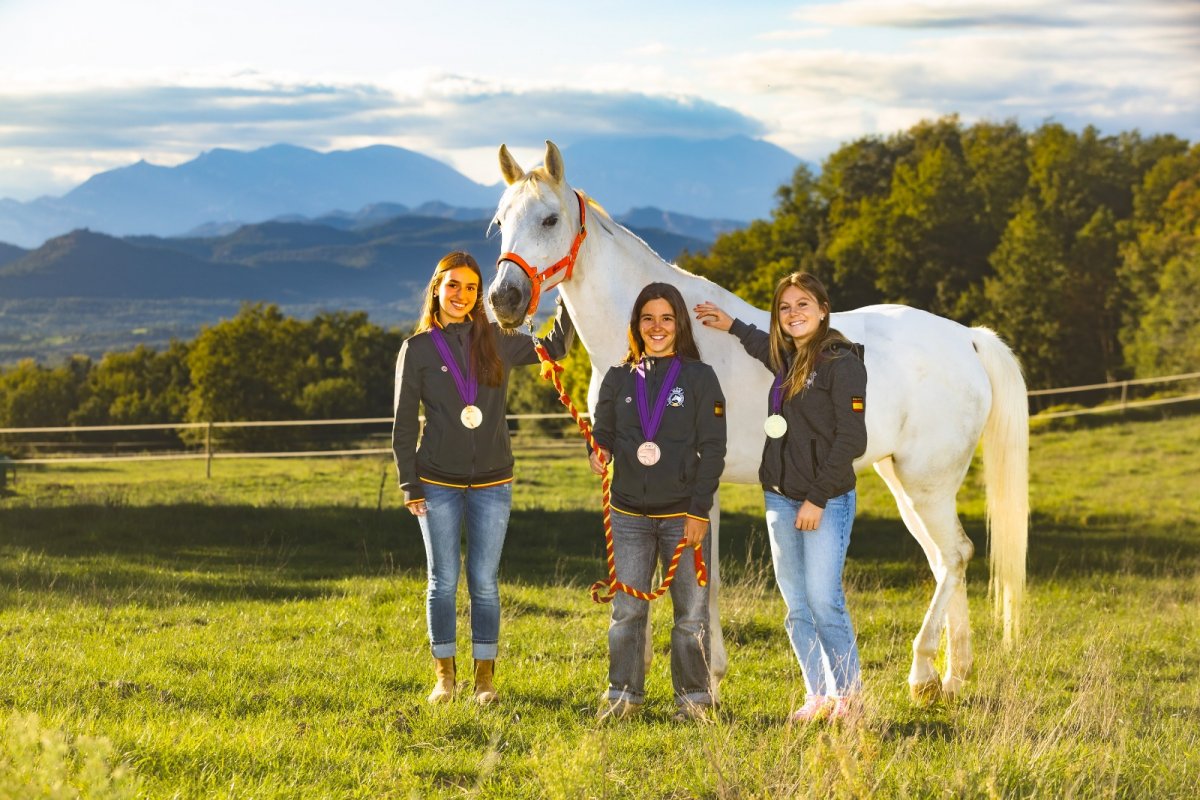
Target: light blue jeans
<point>637,543</point>
<point>485,512</point>
<point>808,569</point>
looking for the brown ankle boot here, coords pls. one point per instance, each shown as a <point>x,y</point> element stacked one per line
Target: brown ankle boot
<point>443,690</point>
<point>485,690</point>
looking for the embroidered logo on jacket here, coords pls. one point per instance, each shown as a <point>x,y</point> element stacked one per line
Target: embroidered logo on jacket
<point>858,405</point>
<point>675,398</point>
<point>718,408</point>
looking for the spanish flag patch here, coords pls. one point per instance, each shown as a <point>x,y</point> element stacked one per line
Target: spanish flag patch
<point>718,408</point>
<point>858,405</point>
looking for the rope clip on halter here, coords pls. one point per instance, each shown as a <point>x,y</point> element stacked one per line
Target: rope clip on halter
<point>567,262</point>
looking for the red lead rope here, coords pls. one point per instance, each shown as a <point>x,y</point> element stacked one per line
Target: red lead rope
<point>605,591</point>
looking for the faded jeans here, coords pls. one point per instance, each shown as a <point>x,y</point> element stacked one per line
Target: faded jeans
<point>637,542</point>
<point>808,570</point>
<point>485,512</point>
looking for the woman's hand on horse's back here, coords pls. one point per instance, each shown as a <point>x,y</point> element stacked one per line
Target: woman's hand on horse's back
<point>710,316</point>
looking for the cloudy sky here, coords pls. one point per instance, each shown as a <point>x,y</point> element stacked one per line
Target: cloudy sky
<point>87,85</point>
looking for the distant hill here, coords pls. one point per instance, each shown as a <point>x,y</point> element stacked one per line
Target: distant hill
<point>10,252</point>
<point>734,178</point>
<point>706,230</point>
<point>724,179</point>
<point>86,292</point>
<point>273,261</point>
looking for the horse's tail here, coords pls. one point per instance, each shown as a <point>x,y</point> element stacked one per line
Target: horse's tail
<point>1006,475</point>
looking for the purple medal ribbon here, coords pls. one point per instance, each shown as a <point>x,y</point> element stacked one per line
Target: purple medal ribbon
<point>777,392</point>
<point>468,387</point>
<point>651,422</point>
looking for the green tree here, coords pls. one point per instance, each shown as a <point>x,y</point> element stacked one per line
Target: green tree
<point>1161,270</point>
<point>137,387</point>
<point>250,367</point>
<point>1055,293</point>
<point>33,396</point>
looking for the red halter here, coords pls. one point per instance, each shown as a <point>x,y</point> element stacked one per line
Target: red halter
<point>567,262</point>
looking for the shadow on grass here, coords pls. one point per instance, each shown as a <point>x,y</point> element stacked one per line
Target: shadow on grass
<point>238,552</point>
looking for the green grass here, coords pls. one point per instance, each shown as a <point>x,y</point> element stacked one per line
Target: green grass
<point>261,634</point>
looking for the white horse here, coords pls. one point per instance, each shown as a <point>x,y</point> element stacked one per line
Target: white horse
<point>934,387</point>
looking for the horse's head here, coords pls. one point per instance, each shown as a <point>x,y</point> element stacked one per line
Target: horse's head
<point>541,221</point>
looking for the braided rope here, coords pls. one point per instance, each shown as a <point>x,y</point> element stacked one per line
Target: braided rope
<point>604,591</point>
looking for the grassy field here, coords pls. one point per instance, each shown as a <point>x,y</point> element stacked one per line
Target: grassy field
<point>261,634</point>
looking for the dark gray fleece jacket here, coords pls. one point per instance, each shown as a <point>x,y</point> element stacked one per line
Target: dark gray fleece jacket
<point>691,438</point>
<point>450,453</point>
<point>826,424</point>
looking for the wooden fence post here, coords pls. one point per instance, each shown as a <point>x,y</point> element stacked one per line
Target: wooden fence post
<point>208,451</point>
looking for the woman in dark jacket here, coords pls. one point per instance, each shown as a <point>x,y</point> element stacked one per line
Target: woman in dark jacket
<point>660,420</point>
<point>815,429</point>
<point>456,364</point>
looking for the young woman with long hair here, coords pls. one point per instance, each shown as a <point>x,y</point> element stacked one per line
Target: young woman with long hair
<point>660,422</point>
<point>815,429</point>
<point>456,365</point>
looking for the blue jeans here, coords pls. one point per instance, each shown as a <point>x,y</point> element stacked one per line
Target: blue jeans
<point>808,569</point>
<point>485,512</point>
<point>637,542</point>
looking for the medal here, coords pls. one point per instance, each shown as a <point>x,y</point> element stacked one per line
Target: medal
<point>775,426</point>
<point>471,416</point>
<point>648,453</point>
<point>468,387</point>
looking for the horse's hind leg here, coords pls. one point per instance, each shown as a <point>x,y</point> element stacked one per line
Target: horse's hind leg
<point>932,519</point>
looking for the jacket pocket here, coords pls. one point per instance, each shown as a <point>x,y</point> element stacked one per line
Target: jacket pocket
<point>812,450</point>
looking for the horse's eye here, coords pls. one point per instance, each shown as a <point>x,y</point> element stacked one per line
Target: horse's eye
<point>550,221</point>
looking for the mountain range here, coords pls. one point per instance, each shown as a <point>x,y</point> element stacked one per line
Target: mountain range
<point>730,179</point>
<point>145,253</point>
<point>87,292</point>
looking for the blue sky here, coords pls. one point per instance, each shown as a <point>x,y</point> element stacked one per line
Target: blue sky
<point>86,86</point>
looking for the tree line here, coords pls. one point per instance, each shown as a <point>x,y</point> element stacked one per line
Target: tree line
<point>1081,250</point>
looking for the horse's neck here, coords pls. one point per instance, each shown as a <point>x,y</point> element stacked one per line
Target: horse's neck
<point>613,267</point>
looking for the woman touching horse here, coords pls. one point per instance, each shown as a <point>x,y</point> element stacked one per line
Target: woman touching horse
<point>815,429</point>
<point>660,420</point>
<point>456,364</point>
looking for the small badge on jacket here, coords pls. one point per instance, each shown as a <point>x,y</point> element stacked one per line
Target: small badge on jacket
<point>718,408</point>
<point>675,398</point>
<point>858,405</point>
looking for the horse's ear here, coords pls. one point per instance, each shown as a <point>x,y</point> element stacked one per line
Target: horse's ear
<point>509,167</point>
<point>554,162</point>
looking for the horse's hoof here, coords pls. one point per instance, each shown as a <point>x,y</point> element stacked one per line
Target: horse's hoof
<point>926,693</point>
<point>952,687</point>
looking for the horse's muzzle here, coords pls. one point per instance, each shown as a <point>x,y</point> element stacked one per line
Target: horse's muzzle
<point>509,296</point>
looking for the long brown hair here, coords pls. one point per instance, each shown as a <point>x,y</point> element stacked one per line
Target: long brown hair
<point>685,342</point>
<point>484,357</point>
<point>782,345</point>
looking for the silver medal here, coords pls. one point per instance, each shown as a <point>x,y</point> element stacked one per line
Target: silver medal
<point>648,453</point>
<point>775,426</point>
<point>471,416</point>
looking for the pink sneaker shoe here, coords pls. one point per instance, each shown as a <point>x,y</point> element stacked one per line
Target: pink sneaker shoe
<point>816,707</point>
<point>845,708</point>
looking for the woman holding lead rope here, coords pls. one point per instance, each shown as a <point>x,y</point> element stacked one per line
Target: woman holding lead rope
<point>660,420</point>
